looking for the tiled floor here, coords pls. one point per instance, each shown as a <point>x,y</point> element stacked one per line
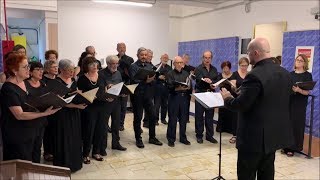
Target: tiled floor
<point>198,161</point>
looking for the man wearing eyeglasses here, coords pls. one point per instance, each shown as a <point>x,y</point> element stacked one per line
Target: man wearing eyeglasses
<point>91,50</point>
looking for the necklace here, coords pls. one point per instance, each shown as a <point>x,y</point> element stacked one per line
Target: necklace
<point>93,83</point>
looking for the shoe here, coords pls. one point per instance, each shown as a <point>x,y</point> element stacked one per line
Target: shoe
<point>109,129</point>
<point>164,121</point>
<point>188,121</point>
<point>157,123</point>
<point>186,142</point>
<point>103,153</point>
<point>155,141</point>
<point>233,139</point>
<point>212,140</point>
<point>171,144</point>
<point>199,140</point>
<point>121,128</point>
<point>86,160</point>
<point>97,157</point>
<point>141,130</point>
<point>119,147</point>
<point>146,125</point>
<point>48,157</point>
<point>139,143</point>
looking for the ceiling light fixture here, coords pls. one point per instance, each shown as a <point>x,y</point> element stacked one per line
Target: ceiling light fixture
<point>130,3</point>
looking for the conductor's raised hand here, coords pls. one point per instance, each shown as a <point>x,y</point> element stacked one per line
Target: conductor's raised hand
<point>225,93</point>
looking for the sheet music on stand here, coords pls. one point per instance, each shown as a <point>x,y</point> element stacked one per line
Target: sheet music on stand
<point>209,100</point>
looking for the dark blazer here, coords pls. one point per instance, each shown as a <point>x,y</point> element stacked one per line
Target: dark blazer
<point>263,106</point>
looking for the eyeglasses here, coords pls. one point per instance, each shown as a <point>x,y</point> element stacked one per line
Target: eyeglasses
<point>179,62</point>
<point>116,64</point>
<point>26,67</point>
<point>92,64</point>
<point>244,65</point>
<point>300,60</point>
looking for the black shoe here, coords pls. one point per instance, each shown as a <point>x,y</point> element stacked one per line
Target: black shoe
<point>186,142</point>
<point>139,144</point>
<point>103,153</point>
<point>212,140</point>
<point>155,141</point>
<point>119,147</point>
<point>188,121</point>
<point>141,130</point>
<point>121,128</point>
<point>164,121</point>
<point>199,140</point>
<point>171,144</point>
<point>146,125</point>
<point>109,129</point>
<point>157,123</point>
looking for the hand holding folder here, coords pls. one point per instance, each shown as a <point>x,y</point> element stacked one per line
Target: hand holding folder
<point>308,85</point>
<point>143,74</point>
<point>86,97</point>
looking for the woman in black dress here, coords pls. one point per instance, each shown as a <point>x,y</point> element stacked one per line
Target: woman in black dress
<point>298,104</point>
<point>51,71</point>
<point>94,116</point>
<point>35,87</point>
<point>226,117</point>
<point>237,79</point>
<point>19,127</point>
<point>67,129</point>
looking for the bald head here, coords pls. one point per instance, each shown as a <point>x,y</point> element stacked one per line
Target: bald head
<point>164,58</point>
<point>178,63</point>
<point>258,49</point>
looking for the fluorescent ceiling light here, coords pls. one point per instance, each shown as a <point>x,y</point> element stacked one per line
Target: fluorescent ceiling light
<point>124,3</point>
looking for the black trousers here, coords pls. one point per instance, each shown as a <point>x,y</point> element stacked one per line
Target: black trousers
<point>251,164</point>
<point>177,107</point>
<point>188,108</point>
<point>112,109</point>
<point>200,122</point>
<point>142,101</point>
<point>123,109</point>
<point>93,118</point>
<point>48,136</point>
<point>161,100</point>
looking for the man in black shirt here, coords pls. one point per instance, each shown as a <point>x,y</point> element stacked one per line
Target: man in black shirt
<point>124,65</point>
<point>190,69</point>
<point>263,125</point>
<point>177,103</point>
<point>205,74</point>
<point>161,91</point>
<point>142,99</point>
<point>111,76</point>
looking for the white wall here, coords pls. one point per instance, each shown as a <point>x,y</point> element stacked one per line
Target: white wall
<point>103,26</point>
<point>236,22</point>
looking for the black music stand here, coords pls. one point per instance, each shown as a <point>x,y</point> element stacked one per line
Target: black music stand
<point>219,177</point>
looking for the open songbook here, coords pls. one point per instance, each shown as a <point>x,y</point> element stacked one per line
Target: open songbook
<point>308,85</point>
<point>43,102</point>
<point>184,84</point>
<point>86,97</point>
<point>209,100</point>
<point>142,74</point>
<point>223,83</point>
<point>120,88</point>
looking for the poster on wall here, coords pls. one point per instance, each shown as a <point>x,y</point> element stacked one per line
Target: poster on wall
<point>309,52</point>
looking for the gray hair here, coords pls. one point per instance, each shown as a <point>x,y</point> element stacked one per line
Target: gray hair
<point>111,58</point>
<point>47,65</point>
<point>141,49</point>
<point>150,51</point>
<point>65,64</point>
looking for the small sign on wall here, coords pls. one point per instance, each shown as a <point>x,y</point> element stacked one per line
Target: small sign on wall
<point>309,52</point>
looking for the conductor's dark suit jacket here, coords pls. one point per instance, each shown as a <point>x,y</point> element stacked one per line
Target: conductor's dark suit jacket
<point>263,106</point>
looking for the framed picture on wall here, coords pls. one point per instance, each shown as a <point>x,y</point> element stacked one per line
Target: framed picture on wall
<point>309,52</point>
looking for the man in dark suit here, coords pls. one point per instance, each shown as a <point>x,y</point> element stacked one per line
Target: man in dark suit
<point>263,106</point>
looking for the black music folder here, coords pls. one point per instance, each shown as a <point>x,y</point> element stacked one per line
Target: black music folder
<point>56,87</point>
<point>43,102</point>
<point>308,85</point>
<point>142,74</point>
